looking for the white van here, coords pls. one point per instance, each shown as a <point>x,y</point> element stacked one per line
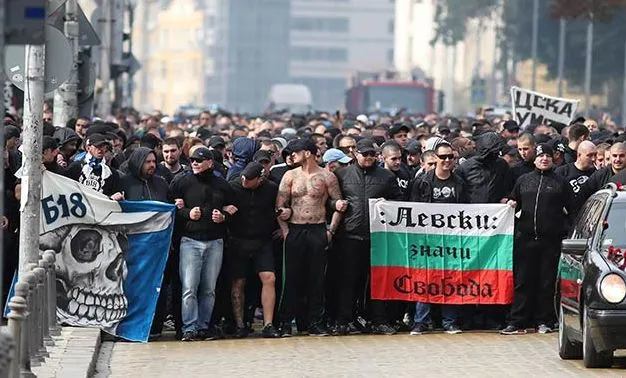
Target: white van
<point>296,98</point>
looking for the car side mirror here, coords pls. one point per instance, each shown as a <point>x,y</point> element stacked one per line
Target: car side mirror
<point>576,247</point>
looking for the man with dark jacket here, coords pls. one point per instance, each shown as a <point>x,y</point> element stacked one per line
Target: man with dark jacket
<point>603,176</point>
<point>578,172</point>
<point>542,197</point>
<point>141,183</point>
<point>360,182</point>
<point>202,244</point>
<point>439,185</point>
<point>526,148</point>
<point>486,176</point>
<point>251,231</point>
<point>69,142</point>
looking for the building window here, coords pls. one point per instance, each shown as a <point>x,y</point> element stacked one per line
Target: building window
<point>330,24</point>
<point>330,54</point>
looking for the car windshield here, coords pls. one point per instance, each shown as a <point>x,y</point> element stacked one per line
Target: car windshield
<point>614,237</point>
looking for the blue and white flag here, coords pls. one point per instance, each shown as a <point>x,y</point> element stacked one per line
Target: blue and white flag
<point>110,256</point>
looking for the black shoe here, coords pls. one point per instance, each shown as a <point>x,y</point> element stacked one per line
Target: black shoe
<point>383,329</point>
<point>353,329</point>
<point>285,330</point>
<point>206,334</point>
<point>154,337</point>
<point>339,330</point>
<point>399,326</point>
<point>318,330</point>
<point>241,332</point>
<point>513,330</point>
<point>452,329</point>
<point>189,336</point>
<point>363,325</point>
<point>270,332</point>
<point>419,329</point>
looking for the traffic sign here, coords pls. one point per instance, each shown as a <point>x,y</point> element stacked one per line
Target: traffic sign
<point>87,36</point>
<point>58,61</point>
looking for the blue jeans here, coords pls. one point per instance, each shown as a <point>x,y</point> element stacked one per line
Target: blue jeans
<point>449,314</point>
<point>200,264</point>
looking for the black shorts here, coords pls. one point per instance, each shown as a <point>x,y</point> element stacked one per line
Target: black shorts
<point>245,253</point>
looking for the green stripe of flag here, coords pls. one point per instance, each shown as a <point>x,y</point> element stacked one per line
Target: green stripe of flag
<point>451,252</point>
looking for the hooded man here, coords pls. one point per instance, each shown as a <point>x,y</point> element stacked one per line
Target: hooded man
<point>142,183</point>
<point>243,151</point>
<point>69,142</point>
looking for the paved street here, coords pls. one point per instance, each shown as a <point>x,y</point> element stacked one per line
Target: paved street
<point>434,355</point>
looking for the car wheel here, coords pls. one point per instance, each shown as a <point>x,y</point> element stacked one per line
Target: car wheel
<point>568,350</point>
<point>591,357</point>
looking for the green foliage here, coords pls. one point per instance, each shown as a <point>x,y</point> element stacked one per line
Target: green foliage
<point>451,17</point>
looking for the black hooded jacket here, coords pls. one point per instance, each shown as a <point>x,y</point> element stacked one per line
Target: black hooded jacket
<point>137,188</point>
<point>255,218</point>
<point>486,176</point>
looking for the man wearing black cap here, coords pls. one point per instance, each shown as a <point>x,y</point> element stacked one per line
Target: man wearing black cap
<point>359,182</point>
<point>542,197</point>
<point>251,232</point>
<point>202,244</point>
<point>301,205</point>
<point>399,132</point>
<point>93,171</point>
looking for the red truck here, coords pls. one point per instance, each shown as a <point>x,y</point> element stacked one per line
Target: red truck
<point>370,94</point>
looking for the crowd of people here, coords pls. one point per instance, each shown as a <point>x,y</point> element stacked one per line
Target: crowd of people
<point>272,215</point>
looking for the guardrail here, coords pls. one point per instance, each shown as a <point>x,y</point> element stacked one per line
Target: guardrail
<point>32,317</point>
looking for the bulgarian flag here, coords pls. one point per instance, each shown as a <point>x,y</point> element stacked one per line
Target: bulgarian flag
<point>442,253</point>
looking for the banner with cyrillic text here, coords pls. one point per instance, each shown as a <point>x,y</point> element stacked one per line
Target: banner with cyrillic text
<point>442,253</point>
<point>537,108</point>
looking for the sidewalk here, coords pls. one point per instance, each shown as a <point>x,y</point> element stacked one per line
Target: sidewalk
<point>73,355</point>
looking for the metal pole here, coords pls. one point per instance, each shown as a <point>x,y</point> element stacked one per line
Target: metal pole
<point>65,97</point>
<point>588,63</point>
<point>2,146</point>
<point>104,102</point>
<point>533,48</point>
<point>32,135</point>
<point>562,31</point>
<point>623,115</point>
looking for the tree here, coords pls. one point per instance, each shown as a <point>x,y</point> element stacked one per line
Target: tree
<point>451,17</point>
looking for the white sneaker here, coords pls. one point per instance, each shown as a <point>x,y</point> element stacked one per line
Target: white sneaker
<point>543,329</point>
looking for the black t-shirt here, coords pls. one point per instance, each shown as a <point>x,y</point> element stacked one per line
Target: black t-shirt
<point>402,179</point>
<point>574,176</point>
<point>444,191</point>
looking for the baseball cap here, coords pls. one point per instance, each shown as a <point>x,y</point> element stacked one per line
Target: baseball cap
<point>365,145</point>
<point>96,140</point>
<point>253,170</point>
<point>413,147</point>
<point>262,155</point>
<point>397,127</point>
<point>281,141</point>
<point>362,118</point>
<point>202,153</point>
<point>334,154</point>
<point>544,148</point>
<point>303,145</point>
<point>217,141</point>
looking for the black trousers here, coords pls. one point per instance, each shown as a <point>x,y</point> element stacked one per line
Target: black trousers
<point>304,274</point>
<point>171,282</point>
<point>353,261</point>
<point>535,265</point>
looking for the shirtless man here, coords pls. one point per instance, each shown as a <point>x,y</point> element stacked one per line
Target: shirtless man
<point>301,202</point>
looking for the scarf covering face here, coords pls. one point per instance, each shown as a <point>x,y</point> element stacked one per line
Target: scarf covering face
<point>94,173</point>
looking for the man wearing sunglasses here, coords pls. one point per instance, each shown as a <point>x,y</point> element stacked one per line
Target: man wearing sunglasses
<point>359,182</point>
<point>439,185</point>
<point>201,222</point>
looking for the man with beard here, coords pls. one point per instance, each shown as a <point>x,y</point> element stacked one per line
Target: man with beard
<point>171,156</point>
<point>201,247</point>
<point>578,172</point>
<point>359,182</point>
<point>301,207</point>
<point>142,184</point>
